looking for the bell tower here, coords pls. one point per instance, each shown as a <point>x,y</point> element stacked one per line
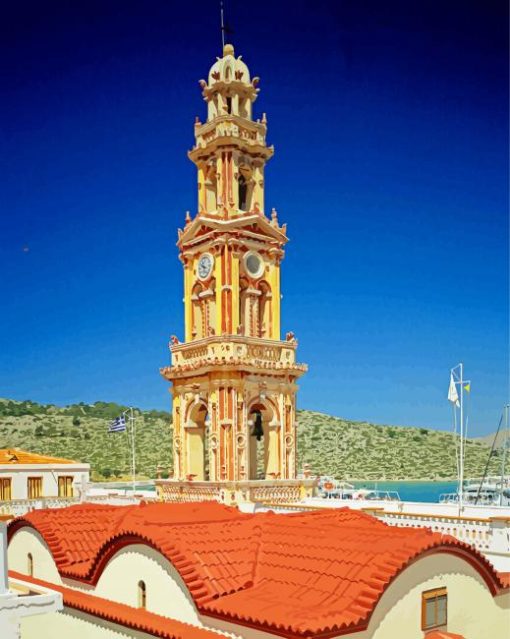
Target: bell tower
<point>233,378</point>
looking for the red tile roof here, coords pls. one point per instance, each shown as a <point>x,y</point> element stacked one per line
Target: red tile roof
<point>505,578</point>
<point>303,573</point>
<point>16,456</point>
<point>123,615</point>
<point>439,634</point>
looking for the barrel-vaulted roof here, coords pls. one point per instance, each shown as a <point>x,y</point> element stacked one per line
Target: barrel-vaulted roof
<point>301,574</point>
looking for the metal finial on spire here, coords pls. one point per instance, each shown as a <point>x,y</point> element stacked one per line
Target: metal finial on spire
<point>222,26</point>
<point>225,28</point>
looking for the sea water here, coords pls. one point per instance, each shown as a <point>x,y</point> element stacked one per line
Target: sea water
<point>428,491</point>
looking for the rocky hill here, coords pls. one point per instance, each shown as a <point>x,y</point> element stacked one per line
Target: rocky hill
<point>501,439</point>
<point>333,446</point>
<point>359,450</point>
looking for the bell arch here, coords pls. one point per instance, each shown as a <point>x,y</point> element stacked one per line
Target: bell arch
<point>263,439</point>
<point>197,440</point>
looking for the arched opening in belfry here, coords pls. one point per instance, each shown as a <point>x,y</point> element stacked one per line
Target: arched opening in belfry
<point>197,444</point>
<point>243,192</point>
<point>245,185</point>
<point>264,310</point>
<point>243,107</point>
<point>229,105</point>
<point>259,419</point>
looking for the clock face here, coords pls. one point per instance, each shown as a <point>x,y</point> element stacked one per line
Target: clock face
<point>205,264</point>
<point>254,264</point>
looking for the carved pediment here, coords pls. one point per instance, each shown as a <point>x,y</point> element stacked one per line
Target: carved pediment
<point>250,225</point>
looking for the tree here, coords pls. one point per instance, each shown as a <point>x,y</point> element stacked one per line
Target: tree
<point>106,472</point>
<point>76,421</point>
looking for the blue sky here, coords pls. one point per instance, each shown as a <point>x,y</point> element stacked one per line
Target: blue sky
<point>390,125</point>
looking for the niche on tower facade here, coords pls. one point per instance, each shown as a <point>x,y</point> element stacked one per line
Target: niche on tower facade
<point>211,186</point>
<point>203,309</point>
<point>264,310</point>
<point>197,314</point>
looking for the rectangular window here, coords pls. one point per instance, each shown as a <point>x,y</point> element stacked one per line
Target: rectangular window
<point>34,487</point>
<point>65,487</point>
<point>434,608</point>
<point>5,489</point>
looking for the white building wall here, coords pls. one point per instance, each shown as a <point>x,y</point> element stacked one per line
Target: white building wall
<point>166,593</point>
<point>19,475</point>
<point>73,624</point>
<point>472,610</point>
<point>28,540</point>
<point>13,606</point>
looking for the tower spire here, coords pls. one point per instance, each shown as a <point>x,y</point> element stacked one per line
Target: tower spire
<point>234,380</point>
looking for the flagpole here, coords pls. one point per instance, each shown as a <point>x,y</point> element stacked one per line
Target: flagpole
<point>133,451</point>
<point>461,474</point>
<point>132,432</point>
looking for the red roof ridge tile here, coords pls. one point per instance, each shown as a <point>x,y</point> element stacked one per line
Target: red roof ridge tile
<point>122,614</point>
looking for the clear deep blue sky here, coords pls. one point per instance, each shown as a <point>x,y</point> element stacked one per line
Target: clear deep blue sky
<point>390,124</point>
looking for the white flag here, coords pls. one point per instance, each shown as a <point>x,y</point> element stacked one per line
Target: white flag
<point>453,396</point>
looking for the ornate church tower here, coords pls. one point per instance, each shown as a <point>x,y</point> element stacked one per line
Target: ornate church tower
<point>233,378</point>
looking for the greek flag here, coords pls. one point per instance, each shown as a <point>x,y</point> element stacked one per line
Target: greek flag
<point>117,425</point>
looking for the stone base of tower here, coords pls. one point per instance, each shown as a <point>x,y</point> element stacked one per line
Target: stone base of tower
<point>233,493</point>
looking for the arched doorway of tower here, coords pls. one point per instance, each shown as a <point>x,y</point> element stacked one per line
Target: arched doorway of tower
<point>262,450</point>
<point>197,444</point>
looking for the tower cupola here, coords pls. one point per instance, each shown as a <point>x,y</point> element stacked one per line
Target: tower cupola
<point>229,90</point>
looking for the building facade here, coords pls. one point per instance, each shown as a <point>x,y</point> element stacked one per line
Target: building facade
<point>27,478</point>
<point>234,380</point>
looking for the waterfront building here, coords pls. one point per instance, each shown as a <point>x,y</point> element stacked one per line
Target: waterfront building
<point>234,380</point>
<point>29,480</point>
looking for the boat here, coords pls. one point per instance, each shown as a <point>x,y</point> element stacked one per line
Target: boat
<point>331,488</point>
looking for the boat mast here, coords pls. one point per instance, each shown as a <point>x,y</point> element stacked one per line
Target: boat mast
<point>457,398</point>
<point>503,457</point>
